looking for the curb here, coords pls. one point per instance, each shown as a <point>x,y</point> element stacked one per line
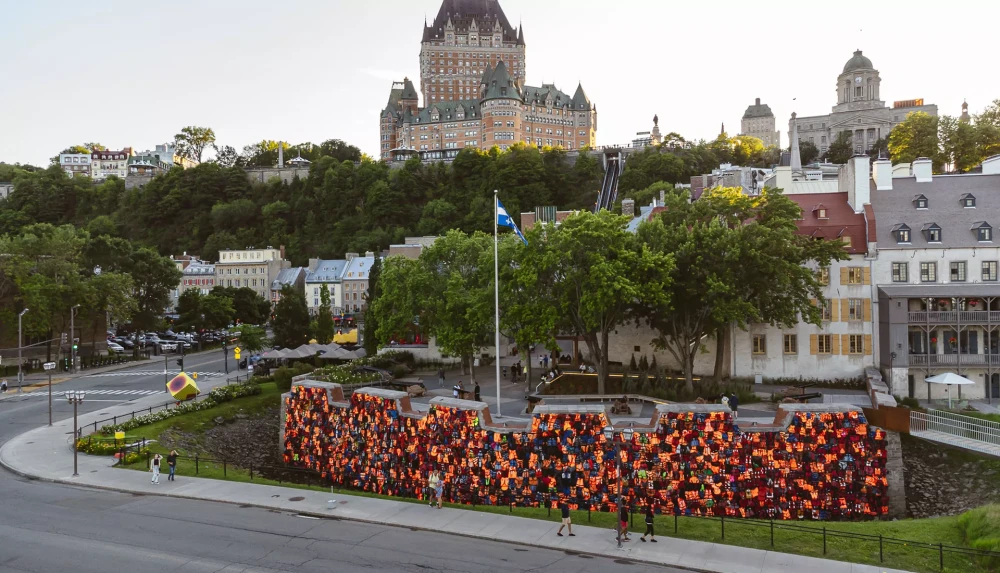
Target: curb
<point>338,518</point>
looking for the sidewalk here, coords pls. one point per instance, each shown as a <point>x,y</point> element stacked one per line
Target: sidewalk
<point>46,453</point>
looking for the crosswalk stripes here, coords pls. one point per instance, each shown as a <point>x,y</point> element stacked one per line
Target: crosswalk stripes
<point>100,393</point>
<point>150,373</point>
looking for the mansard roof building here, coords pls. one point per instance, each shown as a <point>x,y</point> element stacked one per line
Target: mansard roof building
<point>472,75</point>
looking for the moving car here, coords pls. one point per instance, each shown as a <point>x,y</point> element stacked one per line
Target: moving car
<point>114,346</point>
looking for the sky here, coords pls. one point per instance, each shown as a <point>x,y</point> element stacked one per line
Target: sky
<point>131,74</point>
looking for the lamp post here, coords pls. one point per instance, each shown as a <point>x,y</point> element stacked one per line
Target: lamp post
<point>49,367</point>
<point>20,374</point>
<point>75,397</point>
<point>626,435</point>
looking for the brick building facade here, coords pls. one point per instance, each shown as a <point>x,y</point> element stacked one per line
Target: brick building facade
<point>472,75</point>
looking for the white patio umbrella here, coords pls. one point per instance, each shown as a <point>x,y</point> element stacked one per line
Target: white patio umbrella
<point>271,354</point>
<point>949,378</point>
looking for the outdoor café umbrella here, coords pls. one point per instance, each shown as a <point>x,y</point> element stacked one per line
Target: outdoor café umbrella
<point>949,378</point>
<point>273,354</point>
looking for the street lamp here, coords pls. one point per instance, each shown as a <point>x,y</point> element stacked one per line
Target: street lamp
<point>75,397</point>
<point>72,338</point>
<point>20,375</point>
<point>626,435</point>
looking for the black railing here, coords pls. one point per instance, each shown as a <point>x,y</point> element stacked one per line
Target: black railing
<point>115,420</point>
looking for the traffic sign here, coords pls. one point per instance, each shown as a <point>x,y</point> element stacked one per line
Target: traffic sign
<point>194,375</point>
<point>49,366</point>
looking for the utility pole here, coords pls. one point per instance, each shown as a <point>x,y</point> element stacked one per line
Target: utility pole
<point>20,374</point>
<point>49,367</point>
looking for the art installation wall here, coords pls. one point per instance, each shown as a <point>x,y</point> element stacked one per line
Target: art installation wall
<point>823,465</point>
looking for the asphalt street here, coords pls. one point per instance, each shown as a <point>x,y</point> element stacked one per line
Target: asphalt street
<point>48,527</point>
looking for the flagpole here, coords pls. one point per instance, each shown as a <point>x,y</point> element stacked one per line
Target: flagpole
<point>496,290</point>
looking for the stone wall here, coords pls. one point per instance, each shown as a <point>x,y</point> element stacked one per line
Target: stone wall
<point>817,462</point>
<point>285,174</point>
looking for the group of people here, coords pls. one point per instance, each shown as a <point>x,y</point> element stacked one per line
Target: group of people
<point>157,461</point>
<point>826,466</point>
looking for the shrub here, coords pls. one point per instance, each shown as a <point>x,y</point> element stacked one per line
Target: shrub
<point>908,402</point>
<point>400,371</point>
<point>981,527</point>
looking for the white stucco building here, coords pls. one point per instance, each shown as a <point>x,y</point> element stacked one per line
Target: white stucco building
<point>75,164</point>
<point>328,272</point>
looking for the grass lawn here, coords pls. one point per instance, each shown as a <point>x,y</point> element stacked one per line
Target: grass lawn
<point>982,416</point>
<point>789,537</point>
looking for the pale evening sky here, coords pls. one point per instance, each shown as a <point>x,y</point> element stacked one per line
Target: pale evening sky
<point>134,73</point>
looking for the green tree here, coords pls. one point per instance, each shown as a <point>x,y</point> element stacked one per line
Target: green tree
<point>808,152</point>
<point>916,136</point>
<point>737,260</point>
<point>324,318</point>
<point>192,141</point>
<point>252,338</point>
<point>987,126</point>
<point>370,320</point>
<point>528,313</point>
<point>153,278</point>
<point>400,307</point>
<point>959,146</point>
<point>291,319</point>
<point>226,155</point>
<point>591,265</point>
<point>841,150</point>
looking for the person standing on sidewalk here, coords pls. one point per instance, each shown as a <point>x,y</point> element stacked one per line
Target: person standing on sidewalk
<point>441,377</point>
<point>155,468</point>
<point>478,398</point>
<point>171,464</point>
<point>432,487</point>
<point>439,489</point>
<point>623,521</point>
<point>734,403</point>
<point>649,524</point>
<point>567,521</point>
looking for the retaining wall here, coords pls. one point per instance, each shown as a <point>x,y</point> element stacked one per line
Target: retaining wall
<point>818,461</point>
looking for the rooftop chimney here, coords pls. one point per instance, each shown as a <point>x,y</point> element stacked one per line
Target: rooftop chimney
<point>991,165</point>
<point>855,178</point>
<point>882,174</point>
<point>921,169</point>
<point>628,207</point>
<point>282,249</point>
<point>757,101</point>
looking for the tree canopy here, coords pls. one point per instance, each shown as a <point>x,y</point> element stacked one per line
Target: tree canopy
<point>291,319</point>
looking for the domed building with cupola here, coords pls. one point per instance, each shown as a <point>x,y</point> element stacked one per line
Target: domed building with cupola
<point>860,110</point>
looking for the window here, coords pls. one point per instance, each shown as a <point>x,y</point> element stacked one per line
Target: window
<point>821,213</point>
<point>791,344</point>
<point>846,241</point>
<point>900,272</point>
<point>920,201</point>
<point>855,275</point>
<point>824,344</point>
<point>827,310</point>
<point>902,233</point>
<point>855,309</point>
<point>823,276</point>
<point>958,271</point>
<point>928,272</point>
<point>968,201</point>
<point>759,344</point>
<point>984,233</point>
<point>989,270</point>
<point>856,344</point>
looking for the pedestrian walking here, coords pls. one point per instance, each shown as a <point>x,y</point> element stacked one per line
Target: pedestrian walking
<point>567,521</point>
<point>439,489</point>
<point>155,468</point>
<point>171,464</point>
<point>541,360</point>
<point>545,359</point>
<point>441,377</point>
<point>734,403</point>
<point>456,390</point>
<point>432,487</point>
<point>623,521</point>
<point>478,399</point>
<point>3,386</point>
<point>649,524</point>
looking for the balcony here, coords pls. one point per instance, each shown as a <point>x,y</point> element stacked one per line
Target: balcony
<point>955,316</point>
<point>952,360</point>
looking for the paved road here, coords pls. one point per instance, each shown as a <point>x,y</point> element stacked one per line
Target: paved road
<point>47,527</point>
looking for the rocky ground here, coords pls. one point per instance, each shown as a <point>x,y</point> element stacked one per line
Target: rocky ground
<point>241,439</point>
<point>947,481</point>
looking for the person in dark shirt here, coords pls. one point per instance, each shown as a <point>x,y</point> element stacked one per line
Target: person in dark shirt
<point>478,399</point>
<point>567,521</point>
<point>649,524</point>
<point>623,521</point>
<point>172,464</point>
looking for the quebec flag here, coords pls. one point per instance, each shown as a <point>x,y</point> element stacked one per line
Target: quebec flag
<point>505,220</point>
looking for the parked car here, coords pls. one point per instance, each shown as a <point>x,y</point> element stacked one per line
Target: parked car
<point>114,346</point>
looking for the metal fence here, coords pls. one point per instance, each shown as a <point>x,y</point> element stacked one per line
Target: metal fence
<point>819,537</point>
<point>953,424</point>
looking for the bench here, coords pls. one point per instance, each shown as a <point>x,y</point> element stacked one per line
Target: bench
<point>803,398</point>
